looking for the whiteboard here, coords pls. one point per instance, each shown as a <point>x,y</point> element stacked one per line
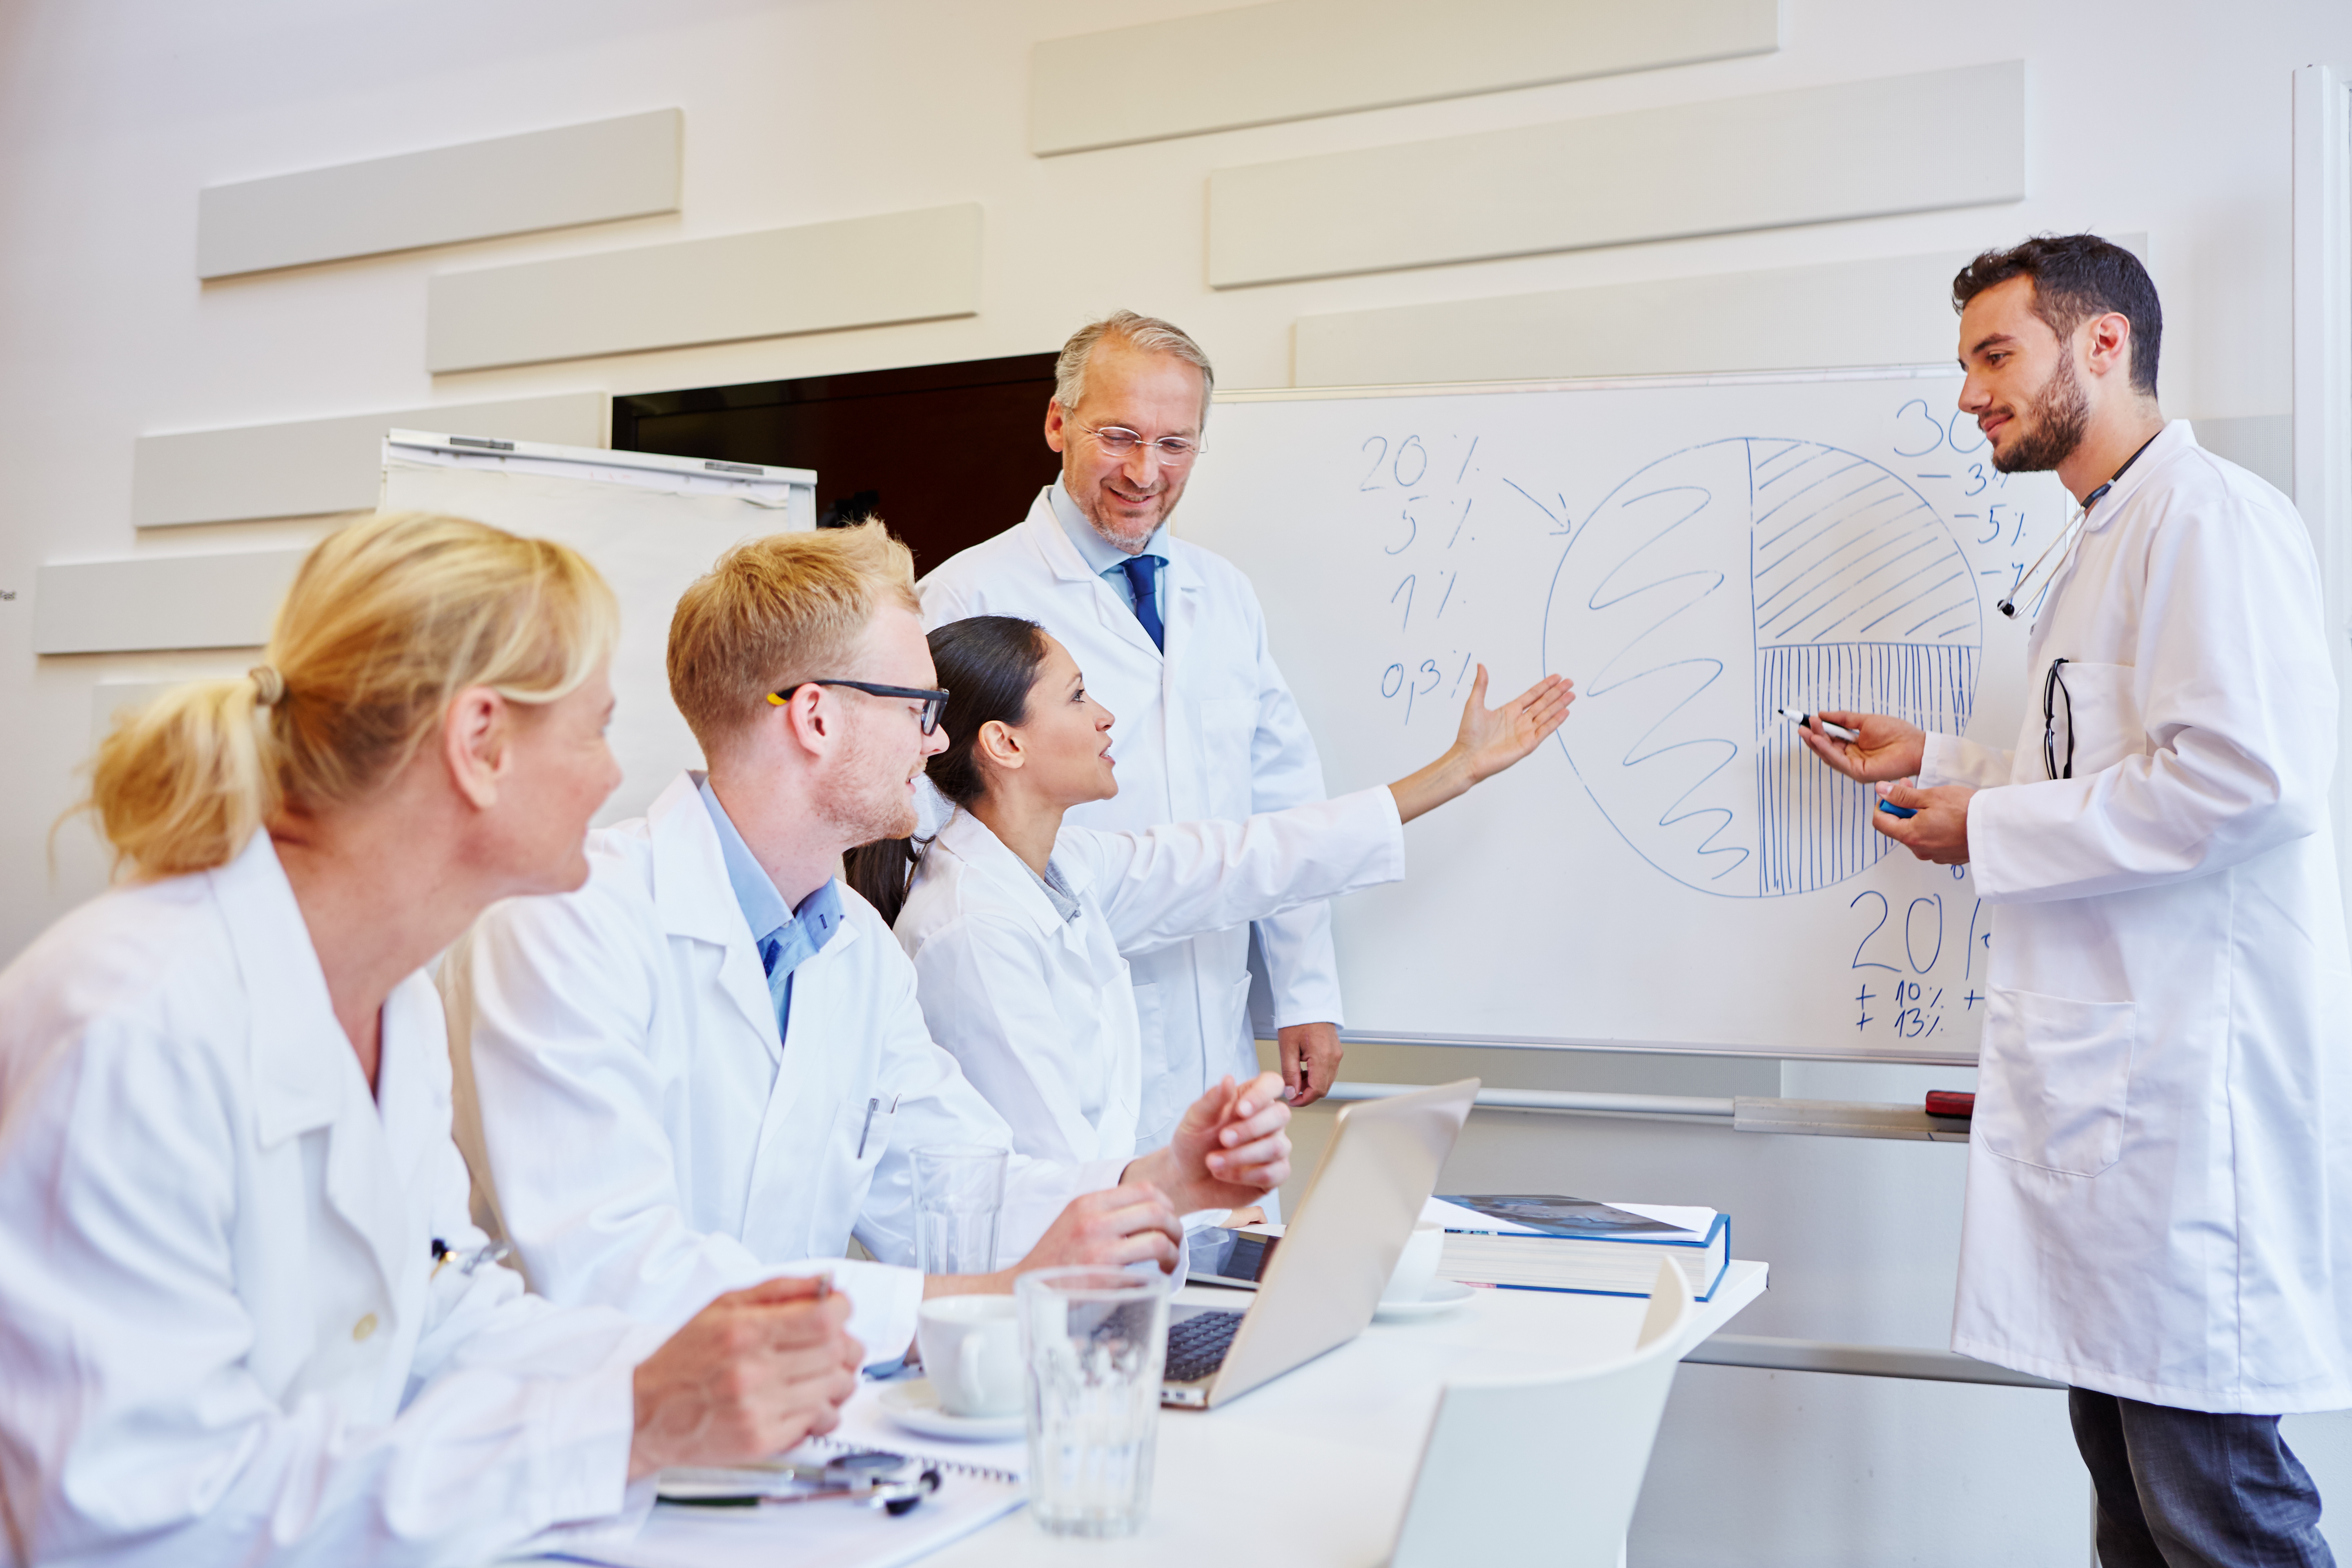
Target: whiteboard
<point>650,525</point>
<point>1672,871</point>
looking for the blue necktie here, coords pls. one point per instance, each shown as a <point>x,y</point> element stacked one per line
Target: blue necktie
<point>1139,570</point>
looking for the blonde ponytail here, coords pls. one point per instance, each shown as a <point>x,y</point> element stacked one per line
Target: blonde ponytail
<point>389,618</point>
<point>184,777</point>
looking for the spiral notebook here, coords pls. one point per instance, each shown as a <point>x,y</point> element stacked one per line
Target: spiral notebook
<point>835,1534</point>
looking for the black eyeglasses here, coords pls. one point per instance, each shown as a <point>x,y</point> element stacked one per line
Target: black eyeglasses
<point>2053,688</point>
<point>934,701</point>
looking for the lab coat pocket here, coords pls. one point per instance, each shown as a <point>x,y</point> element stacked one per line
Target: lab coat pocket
<point>1228,725</point>
<point>861,1131</point>
<point>2099,713</point>
<point>1151,1027</point>
<point>1162,1085</point>
<point>2054,1080</point>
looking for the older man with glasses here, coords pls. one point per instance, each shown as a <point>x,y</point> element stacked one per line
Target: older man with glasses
<point>1172,641</point>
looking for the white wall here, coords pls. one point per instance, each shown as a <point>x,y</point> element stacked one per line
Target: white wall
<point>2168,119</point>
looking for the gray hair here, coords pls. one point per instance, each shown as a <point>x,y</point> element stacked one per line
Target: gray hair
<point>1149,333</point>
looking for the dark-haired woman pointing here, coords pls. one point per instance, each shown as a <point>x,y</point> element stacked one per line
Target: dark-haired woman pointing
<point>1016,924</point>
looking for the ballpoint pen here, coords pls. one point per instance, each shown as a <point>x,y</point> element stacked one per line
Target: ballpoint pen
<point>852,1479</point>
<point>495,1252</point>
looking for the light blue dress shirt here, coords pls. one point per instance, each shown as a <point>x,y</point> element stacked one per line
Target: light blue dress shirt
<point>1107,561</point>
<point>787,938</point>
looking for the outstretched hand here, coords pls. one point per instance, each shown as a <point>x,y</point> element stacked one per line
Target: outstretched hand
<point>1492,739</point>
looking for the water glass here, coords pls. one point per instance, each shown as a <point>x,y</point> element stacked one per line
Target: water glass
<point>1093,1341</point>
<point>959,1194</point>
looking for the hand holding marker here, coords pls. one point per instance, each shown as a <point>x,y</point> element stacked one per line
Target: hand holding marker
<point>1842,734</point>
<point>1824,725</point>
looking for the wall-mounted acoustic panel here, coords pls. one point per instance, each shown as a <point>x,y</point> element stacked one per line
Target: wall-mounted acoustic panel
<point>1295,60</point>
<point>595,173</point>
<point>1888,310</point>
<point>152,602</point>
<point>309,467</point>
<point>824,277</point>
<point>1817,154</point>
<point>1895,311</point>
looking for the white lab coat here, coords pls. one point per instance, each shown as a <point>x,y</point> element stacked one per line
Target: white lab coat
<point>1210,731</point>
<point>642,1137</point>
<point>1039,1010</point>
<point>222,1335</point>
<point>2159,1196</point>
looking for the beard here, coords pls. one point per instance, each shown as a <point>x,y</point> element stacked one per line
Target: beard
<point>1130,537</point>
<point>873,802</point>
<point>2054,422</point>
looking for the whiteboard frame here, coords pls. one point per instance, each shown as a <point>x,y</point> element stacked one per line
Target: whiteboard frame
<point>1656,1048</point>
<point>1579,384</point>
<point>1604,383</point>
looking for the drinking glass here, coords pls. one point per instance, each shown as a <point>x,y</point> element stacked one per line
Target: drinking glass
<point>959,1194</point>
<point>1093,1341</point>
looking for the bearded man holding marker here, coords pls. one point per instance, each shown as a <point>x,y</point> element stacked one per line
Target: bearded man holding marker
<point>2158,1172</point>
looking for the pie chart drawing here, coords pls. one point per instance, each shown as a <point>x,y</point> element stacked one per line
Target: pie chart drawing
<point>1720,585</point>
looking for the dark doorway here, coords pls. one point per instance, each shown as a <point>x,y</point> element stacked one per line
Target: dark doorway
<point>947,455</point>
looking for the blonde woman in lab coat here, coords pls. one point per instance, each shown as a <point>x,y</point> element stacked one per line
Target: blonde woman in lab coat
<point>244,1317</point>
<point>1016,923</point>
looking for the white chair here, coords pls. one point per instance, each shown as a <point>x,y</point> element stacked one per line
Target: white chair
<point>1545,1469</point>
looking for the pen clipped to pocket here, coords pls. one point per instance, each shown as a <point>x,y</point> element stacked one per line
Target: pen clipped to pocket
<point>874,1108</point>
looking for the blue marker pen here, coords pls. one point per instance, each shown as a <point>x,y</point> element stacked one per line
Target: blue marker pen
<point>1891,809</point>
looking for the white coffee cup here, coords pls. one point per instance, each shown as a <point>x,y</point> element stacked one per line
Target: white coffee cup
<point>972,1352</point>
<point>1417,1266</point>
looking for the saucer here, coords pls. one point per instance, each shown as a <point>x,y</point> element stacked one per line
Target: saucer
<point>914,1404</point>
<point>1443,1296</point>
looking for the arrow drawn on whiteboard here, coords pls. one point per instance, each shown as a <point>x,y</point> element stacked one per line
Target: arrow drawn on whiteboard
<point>1558,520</point>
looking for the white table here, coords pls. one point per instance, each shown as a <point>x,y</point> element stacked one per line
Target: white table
<point>1315,1467</point>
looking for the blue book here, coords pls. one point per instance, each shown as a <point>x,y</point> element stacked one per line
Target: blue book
<point>1535,1241</point>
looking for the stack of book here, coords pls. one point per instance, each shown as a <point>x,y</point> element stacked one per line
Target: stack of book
<point>1533,1241</point>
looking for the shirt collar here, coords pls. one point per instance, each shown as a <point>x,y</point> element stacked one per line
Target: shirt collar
<point>969,839</point>
<point>1101,556</point>
<point>1056,890</point>
<point>801,933</point>
<point>2175,438</point>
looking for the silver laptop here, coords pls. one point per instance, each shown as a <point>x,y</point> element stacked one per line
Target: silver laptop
<point>1345,1236</point>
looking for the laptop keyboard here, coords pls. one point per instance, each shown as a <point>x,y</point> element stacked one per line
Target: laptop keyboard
<point>1197,1346</point>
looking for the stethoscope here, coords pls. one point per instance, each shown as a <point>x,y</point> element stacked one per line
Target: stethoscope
<point>2007,605</point>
